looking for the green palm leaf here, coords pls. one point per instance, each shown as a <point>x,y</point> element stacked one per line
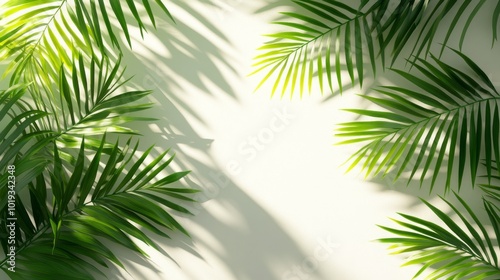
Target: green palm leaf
<point>88,101</point>
<point>92,205</point>
<point>67,208</point>
<point>426,127</point>
<point>329,38</point>
<point>41,36</point>
<point>20,143</point>
<point>454,251</point>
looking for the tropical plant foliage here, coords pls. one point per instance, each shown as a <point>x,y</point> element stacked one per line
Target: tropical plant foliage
<point>448,112</point>
<point>89,101</point>
<point>21,141</point>
<point>90,206</point>
<point>43,35</point>
<point>441,123</point>
<point>454,252</point>
<point>75,193</point>
<point>329,38</point>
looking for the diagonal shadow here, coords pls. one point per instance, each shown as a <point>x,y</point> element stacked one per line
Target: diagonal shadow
<point>194,55</point>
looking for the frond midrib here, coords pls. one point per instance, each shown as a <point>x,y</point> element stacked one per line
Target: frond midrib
<point>307,43</point>
<point>466,250</point>
<point>42,33</point>
<point>438,115</point>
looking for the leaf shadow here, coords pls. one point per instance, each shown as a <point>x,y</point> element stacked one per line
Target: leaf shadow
<point>195,55</point>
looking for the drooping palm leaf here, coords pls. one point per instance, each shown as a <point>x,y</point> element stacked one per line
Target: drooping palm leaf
<point>455,251</point>
<point>331,37</point>
<point>41,36</point>
<point>448,113</point>
<point>90,205</point>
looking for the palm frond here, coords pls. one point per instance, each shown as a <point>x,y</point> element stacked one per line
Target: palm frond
<point>313,44</point>
<point>20,144</point>
<point>92,205</point>
<point>449,113</point>
<point>330,38</point>
<point>454,251</point>
<point>88,101</point>
<point>41,36</point>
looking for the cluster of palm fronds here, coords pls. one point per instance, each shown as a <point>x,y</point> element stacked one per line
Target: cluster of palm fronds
<point>75,192</point>
<point>331,37</point>
<point>442,124</point>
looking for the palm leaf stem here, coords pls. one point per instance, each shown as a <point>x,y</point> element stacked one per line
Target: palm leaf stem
<point>42,34</point>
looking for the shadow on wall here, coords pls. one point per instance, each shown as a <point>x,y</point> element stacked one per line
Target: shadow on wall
<point>193,54</point>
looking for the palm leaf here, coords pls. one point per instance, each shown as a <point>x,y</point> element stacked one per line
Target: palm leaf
<point>68,209</point>
<point>90,206</point>
<point>88,101</point>
<point>352,36</point>
<point>20,144</point>
<point>305,49</point>
<point>423,129</point>
<point>454,251</point>
<point>41,36</point>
